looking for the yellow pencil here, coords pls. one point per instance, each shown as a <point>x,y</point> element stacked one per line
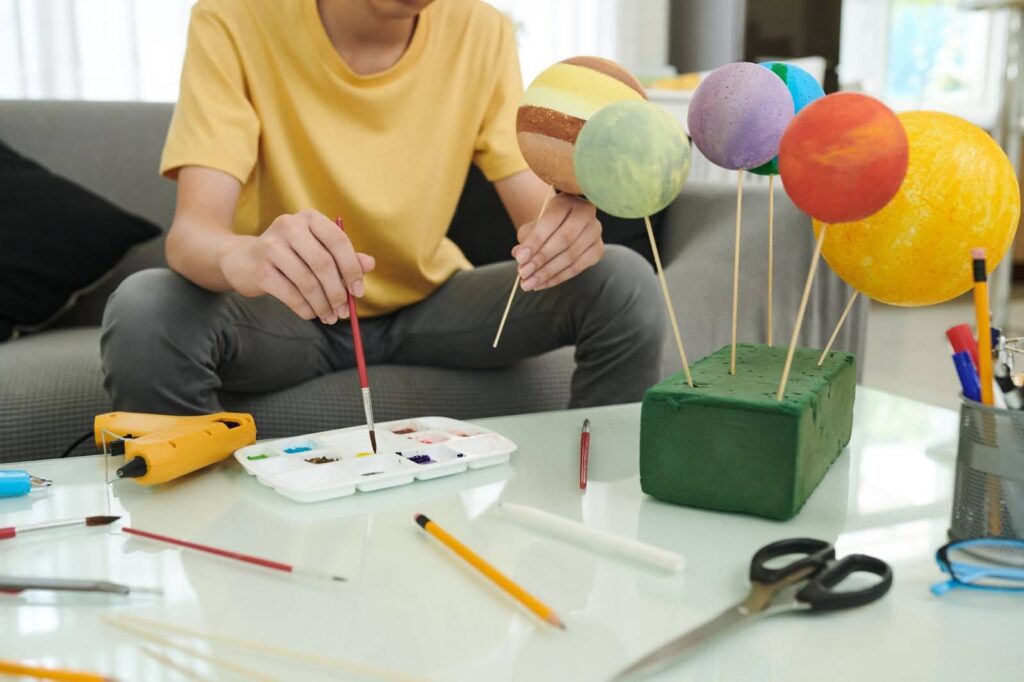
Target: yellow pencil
<point>15,668</point>
<point>981,318</point>
<point>497,577</point>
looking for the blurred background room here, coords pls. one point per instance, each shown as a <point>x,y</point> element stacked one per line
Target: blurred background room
<point>959,56</point>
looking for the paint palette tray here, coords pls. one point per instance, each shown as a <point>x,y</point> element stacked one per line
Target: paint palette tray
<point>330,464</point>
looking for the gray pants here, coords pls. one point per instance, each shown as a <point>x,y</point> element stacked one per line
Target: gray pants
<point>169,346</point>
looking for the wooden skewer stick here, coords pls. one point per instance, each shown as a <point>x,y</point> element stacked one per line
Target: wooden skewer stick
<point>512,294</point>
<point>736,271</point>
<point>138,631</point>
<point>668,301</point>
<point>800,312</point>
<point>166,660</point>
<point>771,250</point>
<point>839,325</point>
<point>360,669</point>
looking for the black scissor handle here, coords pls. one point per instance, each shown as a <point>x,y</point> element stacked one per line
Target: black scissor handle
<point>818,592</point>
<point>817,553</point>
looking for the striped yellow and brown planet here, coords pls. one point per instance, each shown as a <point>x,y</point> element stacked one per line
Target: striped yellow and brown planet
<point>557,104</point>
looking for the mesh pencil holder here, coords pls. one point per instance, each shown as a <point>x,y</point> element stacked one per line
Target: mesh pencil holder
<point>988,498</point>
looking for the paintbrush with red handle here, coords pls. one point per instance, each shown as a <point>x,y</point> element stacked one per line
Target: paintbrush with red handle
<point>237,556</point>
<point>11,531</point>
<point>357,342</point>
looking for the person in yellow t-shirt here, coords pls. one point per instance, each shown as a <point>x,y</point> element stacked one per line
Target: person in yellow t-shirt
<point>293,112</point>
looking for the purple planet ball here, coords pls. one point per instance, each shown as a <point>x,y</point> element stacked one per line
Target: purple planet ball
<point>738,114</point>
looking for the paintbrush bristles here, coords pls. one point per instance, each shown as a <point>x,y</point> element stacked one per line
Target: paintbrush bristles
<point>100,520</point>
<point>373,441</point>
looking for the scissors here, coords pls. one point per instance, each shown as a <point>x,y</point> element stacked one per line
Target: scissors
<point>804,584</point>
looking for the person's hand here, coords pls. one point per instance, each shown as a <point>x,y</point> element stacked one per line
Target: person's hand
<point>303,260</point>
<point>562,243</point>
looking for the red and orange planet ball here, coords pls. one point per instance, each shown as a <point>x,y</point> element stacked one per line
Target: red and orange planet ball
<point>843,157</point>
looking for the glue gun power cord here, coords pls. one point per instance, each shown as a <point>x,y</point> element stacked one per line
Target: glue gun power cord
<point>78,441</point>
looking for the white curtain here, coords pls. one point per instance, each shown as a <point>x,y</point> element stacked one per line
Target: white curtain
<point>92,49</point>
<point>132,49</point>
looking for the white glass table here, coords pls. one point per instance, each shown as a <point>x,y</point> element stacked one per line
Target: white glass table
<point>410,607</point>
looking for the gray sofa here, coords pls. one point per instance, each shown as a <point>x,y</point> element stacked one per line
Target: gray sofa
<point>50,381</point>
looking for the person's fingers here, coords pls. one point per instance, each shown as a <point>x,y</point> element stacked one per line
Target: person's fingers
<point>532,236</point>
<point>340,247</point>
<point>278,286</point>
<point>366,262</point>
<point>299,274</point>
<point>321,262</point>
<point>564,237</point>
<point>586,238</point>
<point>587,259</point>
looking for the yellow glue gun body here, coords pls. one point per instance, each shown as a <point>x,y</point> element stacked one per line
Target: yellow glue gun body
<point>160,448</point>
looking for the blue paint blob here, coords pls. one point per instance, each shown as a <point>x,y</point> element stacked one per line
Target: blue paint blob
<point>297,448</point>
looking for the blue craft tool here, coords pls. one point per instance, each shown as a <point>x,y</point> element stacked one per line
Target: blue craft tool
<point>968,376</point>
<point>15,482</point>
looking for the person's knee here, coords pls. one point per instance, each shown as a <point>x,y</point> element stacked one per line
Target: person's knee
<point>150,310</point>
<point>630,291</point>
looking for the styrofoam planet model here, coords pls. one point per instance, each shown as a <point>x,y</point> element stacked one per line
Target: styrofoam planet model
<point>843,157</point>
<point>557,104</point>
<point>803,88</point>
<point>632,159</point>
<point>738,114</point>
<point>960,192</point>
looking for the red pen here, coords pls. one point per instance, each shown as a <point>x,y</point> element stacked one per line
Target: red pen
<point>364,378</point>
<point>584,453</point>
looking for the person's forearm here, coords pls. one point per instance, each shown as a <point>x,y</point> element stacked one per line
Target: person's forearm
<point>195,251</point>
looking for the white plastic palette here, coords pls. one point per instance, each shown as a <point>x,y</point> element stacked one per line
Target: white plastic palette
<point>322,466</point>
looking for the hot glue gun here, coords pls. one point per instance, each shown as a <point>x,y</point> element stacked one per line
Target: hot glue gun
<point>159,448</point>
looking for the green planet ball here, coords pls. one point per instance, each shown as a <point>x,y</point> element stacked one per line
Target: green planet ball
<point>631,159</point>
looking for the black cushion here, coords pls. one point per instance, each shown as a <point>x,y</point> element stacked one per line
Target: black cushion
<point>483,230</point>
<point>57,239</point>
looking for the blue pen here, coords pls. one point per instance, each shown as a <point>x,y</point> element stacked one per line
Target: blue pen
<point>968,376</point>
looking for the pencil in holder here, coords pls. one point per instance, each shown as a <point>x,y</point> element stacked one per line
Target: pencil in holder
<point>988,497</point>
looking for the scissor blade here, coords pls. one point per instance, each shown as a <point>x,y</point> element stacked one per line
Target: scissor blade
<point>669,654</point>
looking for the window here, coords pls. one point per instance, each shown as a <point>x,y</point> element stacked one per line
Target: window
<point>926,54</point>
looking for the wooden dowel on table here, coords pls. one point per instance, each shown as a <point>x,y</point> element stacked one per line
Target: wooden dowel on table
<point>800,312</point>
<point>771,251</point>
<point>360,669</point>
<point>515,285</point>
<point>839,325</point>
<point>138,631</point>
<point>668,300</point>
<point>736,271</point>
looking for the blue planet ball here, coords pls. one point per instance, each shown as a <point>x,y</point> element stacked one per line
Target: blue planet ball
<point>804,89</point>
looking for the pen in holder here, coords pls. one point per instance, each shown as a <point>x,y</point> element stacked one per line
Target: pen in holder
<point>988,498</point>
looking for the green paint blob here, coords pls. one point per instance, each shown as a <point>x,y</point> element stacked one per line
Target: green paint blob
<point>253,458</point>
<point>631,159</point>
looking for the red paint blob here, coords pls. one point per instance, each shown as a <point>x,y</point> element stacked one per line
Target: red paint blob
<point>843,158</point>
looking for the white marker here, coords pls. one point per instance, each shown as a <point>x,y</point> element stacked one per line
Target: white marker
<point>599,540</point>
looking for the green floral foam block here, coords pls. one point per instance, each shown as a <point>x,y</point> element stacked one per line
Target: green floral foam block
<point>727,444</point>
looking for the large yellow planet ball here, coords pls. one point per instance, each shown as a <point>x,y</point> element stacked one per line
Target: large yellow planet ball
<point>960,193</point>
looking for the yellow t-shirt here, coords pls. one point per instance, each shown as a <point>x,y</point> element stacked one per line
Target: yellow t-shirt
<point>266,98</point>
